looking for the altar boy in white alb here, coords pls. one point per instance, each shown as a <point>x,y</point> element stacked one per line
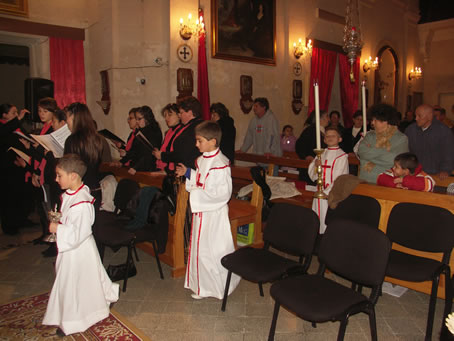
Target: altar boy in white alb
<point>210,189</point>
<point>334,162</point>
<point>82,291</point>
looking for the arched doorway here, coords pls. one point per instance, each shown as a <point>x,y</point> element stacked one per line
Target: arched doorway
<point>386,76</point>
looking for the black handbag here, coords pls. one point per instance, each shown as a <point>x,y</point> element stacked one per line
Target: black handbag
<point>169,190</point>
<point>117,272</point>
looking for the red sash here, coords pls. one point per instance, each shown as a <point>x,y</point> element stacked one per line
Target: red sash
<point>41,165</point>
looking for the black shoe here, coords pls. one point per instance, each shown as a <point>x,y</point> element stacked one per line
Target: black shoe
<point>39,240</point>
<point>60,333</point>
<point>51,251</point>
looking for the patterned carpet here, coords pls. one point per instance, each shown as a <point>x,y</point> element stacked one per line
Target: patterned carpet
<point>21,320</point>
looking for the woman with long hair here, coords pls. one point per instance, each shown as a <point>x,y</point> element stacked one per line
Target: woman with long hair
<point>85,142</point>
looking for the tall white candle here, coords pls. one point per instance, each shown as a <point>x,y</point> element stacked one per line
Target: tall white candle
<point>317,115</point>
<point>363,97</point>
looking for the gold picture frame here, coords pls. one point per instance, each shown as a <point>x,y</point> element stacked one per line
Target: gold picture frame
<point>14,7</point>
<point>244,31</point>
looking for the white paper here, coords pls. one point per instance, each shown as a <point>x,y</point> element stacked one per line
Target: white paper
<point>55,141</point>
<point>23,155</point>
<point>23,136</point>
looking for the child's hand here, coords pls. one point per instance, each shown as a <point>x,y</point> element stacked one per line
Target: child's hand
<point>181,170</point>
<point>318,163</point>
<point>398,180</point>
<point>132,171</point>
<point>53,227</point>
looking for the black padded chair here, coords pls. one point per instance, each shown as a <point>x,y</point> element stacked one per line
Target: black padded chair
<point>112,233</point>
<point>351,250</point>
<point>290,229</point>
<point>424,228</point>
<point>359,208</point>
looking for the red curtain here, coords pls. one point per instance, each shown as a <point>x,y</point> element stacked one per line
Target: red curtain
<point>203,90</point>
<point>349,91</point>
<point>67,70</point>
<point>323,65</point>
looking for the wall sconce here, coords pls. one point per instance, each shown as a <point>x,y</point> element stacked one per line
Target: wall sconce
<point>299,49</point>
<point>415,73</point>
<point>188,29</point>
<point>370,64</point>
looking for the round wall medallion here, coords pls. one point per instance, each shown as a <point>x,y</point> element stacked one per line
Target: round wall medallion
<point>297,69</point>
<point>184,53</point>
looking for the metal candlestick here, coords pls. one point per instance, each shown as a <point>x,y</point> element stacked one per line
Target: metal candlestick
<point>319,194</point>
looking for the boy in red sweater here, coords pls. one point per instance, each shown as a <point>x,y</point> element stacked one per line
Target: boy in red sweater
<point>407,173</point>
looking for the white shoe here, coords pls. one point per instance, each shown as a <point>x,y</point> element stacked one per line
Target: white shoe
<point>196,297</point>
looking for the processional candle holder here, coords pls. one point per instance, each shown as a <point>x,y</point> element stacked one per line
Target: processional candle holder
<point>319,194</point>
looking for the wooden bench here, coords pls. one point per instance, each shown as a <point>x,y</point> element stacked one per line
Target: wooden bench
<point>243,212</point>
<point>387,197</point>
<point>240,213</point>
<point>174,254</point>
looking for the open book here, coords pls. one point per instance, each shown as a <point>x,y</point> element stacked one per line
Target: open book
<point>55,141</point>
<point>145,141</point>
<point>24,136</point>
<point>23,155</point>
<point>111,136</point>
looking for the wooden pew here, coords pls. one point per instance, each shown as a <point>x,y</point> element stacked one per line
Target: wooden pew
<point>243,212</point>
<point>240,213</point>
<point>174,254</point>
<point>387,197</point>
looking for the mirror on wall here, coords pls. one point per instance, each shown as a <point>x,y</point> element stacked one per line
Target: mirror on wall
<point>386,77</point>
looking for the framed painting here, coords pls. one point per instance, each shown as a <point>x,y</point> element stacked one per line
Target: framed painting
<point>14,7</point>
<point>244,30</point>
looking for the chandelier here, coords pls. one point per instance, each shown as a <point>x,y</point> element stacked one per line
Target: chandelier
<point>352,35</point>
<point>190,28</point>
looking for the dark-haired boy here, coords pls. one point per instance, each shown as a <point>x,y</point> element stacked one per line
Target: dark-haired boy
<point>82,291</point>
<point>406,173</point>
<point>210,189</point>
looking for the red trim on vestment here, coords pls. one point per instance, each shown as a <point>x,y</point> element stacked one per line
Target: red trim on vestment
<point>332,171</point>
<point>76,190</point>
<point>82,202</point>
<point>210,156</point>
<point>190,247</point>
<point>198,249</point>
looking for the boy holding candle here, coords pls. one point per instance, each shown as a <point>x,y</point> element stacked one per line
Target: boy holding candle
<point>82,291</point>
<point>334,162</point>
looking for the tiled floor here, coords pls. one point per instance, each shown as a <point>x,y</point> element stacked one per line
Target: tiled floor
<point>164,310</point>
